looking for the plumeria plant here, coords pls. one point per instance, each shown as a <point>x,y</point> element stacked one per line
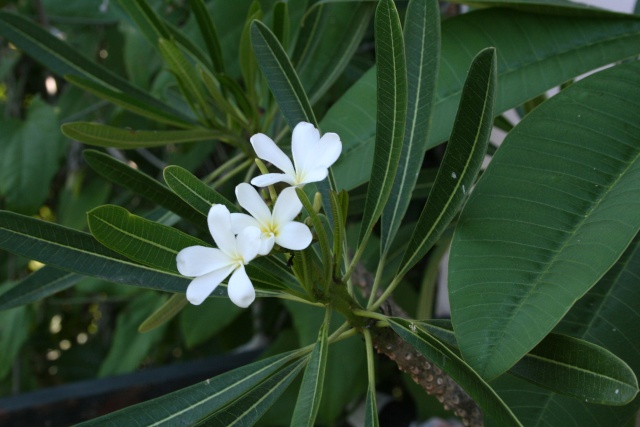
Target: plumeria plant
<point>333,253</point>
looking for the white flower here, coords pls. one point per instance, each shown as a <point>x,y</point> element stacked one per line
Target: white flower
<point>312,156</point>
<point>277,227</point>
<point>210,266</point>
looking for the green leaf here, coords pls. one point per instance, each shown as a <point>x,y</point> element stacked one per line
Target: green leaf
<point>555,209</point>
<point>142,184</point>
<point>65,60</point>
<point>144,241</point>
<point>323,239</point>
<point>209,34</point>
<point>79,252</point>
<point>247,410</point>
<point>164,313</point>
<point>108,136</point>
<point>193,191</point>
<point>28,161</point>
<point>541,51</point>
<point>565,365</point>
<point>14,332</point>
<point>129,102</point>
<point>595,374</point>
<point>198,324</point>
<point>453,365</point>
<point>281,22</point>
<point>462,160</point>
<point>311,389</point>
<point>191,404</point>
<point>146,19</point>
<point>129,348</point>
<point>371,409</point>
<point>422,45</point>
<point>246,58</point>
<point>392,110</point>
<point>331,42</point>
<point>556,7</point>
<point>38,285</point>
<point>281,76</point>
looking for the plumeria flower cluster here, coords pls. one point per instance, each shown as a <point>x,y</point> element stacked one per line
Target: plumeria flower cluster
<point>240,237</point>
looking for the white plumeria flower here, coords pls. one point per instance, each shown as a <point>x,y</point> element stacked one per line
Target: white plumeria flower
<point>277,227</point>
<point>312,156</point>
<point>210,266</point>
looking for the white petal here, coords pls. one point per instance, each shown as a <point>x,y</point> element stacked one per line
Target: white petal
<point>287,207</point>
<point>201,287</point>
<point>315,175</point>
<point>240,221</point>
<point>266,244</point>
<point>251,201</point>
<point>267,150</point>
<point>294,235</point>
<point>198,260</point>
<point>219,220</point>
<point>329,148</point>
<point>304,136</point>
<point>272,178</point>
<point>240,288</point>
<point>248,243</point>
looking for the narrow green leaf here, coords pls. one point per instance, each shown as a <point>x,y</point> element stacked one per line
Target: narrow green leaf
<point>209,34</point>
<point>247,410</point>
<point>281,22</point>
<point>142,184</point>
<point>555,209</point>
<point>281,76</point>
<point>246,58</point>
<point>193,191</point>
<point>542,50</point>
<point>555,7</point>
<point>339,207</point>
<point>108,136</point>
<point>311,389</point>
<point>565,365</point>
<point>38,285</point>
<point>187,78</point>
<point>462,160</point>
<point>371,409</point>
<point>392,110</point>
<point>79,252</point>
<point>14,333</point>
<point>221,100</point>
<point>191,404</point>
<point>146,19</point>
<point>130,102</point>
<point>65,60</point>
<point>453,365</point>
<point>422,45</point>
<point>164,313</point>
<point>144,241</point>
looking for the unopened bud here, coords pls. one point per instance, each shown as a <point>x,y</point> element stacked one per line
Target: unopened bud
<point>317,201</point>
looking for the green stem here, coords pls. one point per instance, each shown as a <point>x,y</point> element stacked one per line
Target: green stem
<point>387,292</point>
<point>223,168</point>
<point>371,372</point>
<point>377,279</point>
<point>298,299</point>
<point>371,315</point>
<point>232,172</point>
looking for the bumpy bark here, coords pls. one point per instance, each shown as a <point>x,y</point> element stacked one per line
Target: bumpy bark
<point>428,376</point>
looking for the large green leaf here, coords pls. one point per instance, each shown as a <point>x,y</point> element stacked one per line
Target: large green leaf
<point>392,112</point>
<point>209,34</point>
<point>144,241</point>
<point>608,316</point>
<point>142,184</point>
<point>311,389</point>
<point>64,60</point>
<point>247,410</point>
<point>536,53</point>
<point>14,332</point>
<point>556,7</point>
<point>453,365</point>
<point>38,285</point>
<point>462,160</point>
<point>422,46</point>
<point>191,404</point>
<point>555,209</point>
<point>108,136</point>
<point>281,76</point>
<point>28,161</point>
<point>566,365</point>
<point>79,252</point>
